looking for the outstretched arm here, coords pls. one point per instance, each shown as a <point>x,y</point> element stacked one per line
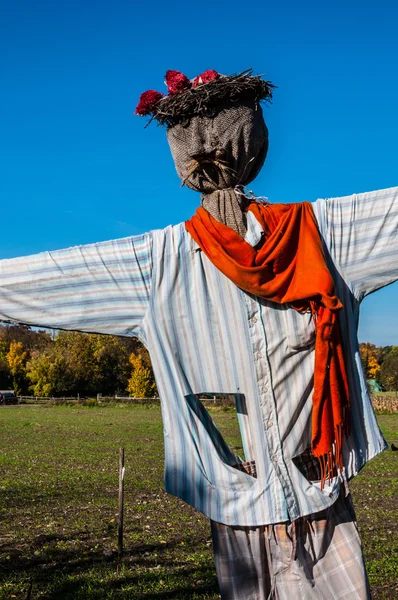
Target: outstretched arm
<point>361,233</point>
<point>98,288</point>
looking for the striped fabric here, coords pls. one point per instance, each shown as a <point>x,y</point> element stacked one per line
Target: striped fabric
<point>207,336</point>
<point>98,288</point>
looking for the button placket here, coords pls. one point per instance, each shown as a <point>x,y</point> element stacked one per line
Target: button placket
<point>254,322</point>
<point>268,410</point>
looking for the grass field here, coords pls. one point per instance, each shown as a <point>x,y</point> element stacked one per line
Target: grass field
<point>58,505</point>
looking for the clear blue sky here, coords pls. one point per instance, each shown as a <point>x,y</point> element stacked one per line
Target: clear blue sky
<point>76,166</point>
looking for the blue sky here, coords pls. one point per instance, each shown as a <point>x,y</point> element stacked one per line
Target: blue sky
<point>77,167</point>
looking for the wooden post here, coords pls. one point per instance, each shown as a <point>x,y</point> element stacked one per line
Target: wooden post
<point>121,503</point>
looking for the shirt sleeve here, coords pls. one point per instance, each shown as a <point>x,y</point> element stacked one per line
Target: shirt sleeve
<point>97,288</point>
<point>361,234</point>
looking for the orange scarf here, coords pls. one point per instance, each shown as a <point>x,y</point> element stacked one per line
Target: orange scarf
<point>290,267</point>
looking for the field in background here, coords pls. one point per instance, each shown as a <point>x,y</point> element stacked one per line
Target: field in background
<point>58,505</point>
<point>385,402</point>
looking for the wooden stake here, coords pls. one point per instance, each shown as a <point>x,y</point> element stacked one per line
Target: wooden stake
<point>121,503</point>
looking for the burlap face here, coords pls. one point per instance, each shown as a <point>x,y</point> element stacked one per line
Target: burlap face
<point>229,148</point>
<point>212,155</point>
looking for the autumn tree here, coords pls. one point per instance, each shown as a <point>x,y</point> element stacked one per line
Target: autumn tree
<point>31,339</point>
<point>79,363</point>
<point>13,357</point>
<point>370,360</point>
<point>142,382</point>
<point>49,373</point>
<point>112,364</point>
<point>383,352</point>
<point>389,370</point>
<point>5,374</point>
<point>16,358</point>
<point>70,363</point>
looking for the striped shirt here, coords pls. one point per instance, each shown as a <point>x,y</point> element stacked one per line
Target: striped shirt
<point>205,335</point>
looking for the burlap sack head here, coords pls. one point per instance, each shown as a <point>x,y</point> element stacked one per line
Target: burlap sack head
<point>212,155</point>
<point>220,152</point>
<point>216,133</point>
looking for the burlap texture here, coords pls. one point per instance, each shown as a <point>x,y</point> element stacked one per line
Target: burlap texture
<point>215,154</point>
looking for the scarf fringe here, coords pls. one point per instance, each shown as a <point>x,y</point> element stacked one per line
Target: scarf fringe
<point>331,463</point>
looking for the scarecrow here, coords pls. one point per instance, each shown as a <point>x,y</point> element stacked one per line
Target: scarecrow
<point>254,300</point>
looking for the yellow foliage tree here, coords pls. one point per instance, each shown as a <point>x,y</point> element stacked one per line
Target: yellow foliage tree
<point>16,358</point>
<point>370,360</point>
<point>142,382</point>
<point>373,367</point>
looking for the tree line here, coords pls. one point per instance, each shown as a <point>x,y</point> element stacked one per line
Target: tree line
<point>68,363</point>
<point>381,364</point>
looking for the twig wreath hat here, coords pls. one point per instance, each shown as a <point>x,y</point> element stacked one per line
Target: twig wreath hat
<point>217,135</point>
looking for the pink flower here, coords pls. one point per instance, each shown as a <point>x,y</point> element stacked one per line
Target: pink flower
<point>176,82</point>
<point>147,103</point>
<point>205,77</point>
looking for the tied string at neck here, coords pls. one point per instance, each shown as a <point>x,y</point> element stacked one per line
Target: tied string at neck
<point>290,268</point>
<point>228,206</point>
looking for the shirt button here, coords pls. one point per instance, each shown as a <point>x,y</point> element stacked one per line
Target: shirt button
<point>254,320</point>
<point>269,423</point>
<point>259,355</point>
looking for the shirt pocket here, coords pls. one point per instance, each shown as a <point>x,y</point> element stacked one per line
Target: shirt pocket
<point>215,459</point>
<point>300,329</point>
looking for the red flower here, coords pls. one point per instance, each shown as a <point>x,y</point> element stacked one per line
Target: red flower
<point>176,82</point>
<point>205,77</point>
<point>147,103</point>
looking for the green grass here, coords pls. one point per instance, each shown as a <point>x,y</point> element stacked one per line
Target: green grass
<point>375,493</point>
<point>58,505</point>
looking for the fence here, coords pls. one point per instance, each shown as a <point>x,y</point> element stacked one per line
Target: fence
<point>78,400</point>
<point>48,400</point>
<point>207,400</point>
<point>381,403</point>
<point>126,400</point>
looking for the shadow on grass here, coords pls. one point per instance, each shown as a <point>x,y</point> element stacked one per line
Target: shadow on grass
<point>146,571</point>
